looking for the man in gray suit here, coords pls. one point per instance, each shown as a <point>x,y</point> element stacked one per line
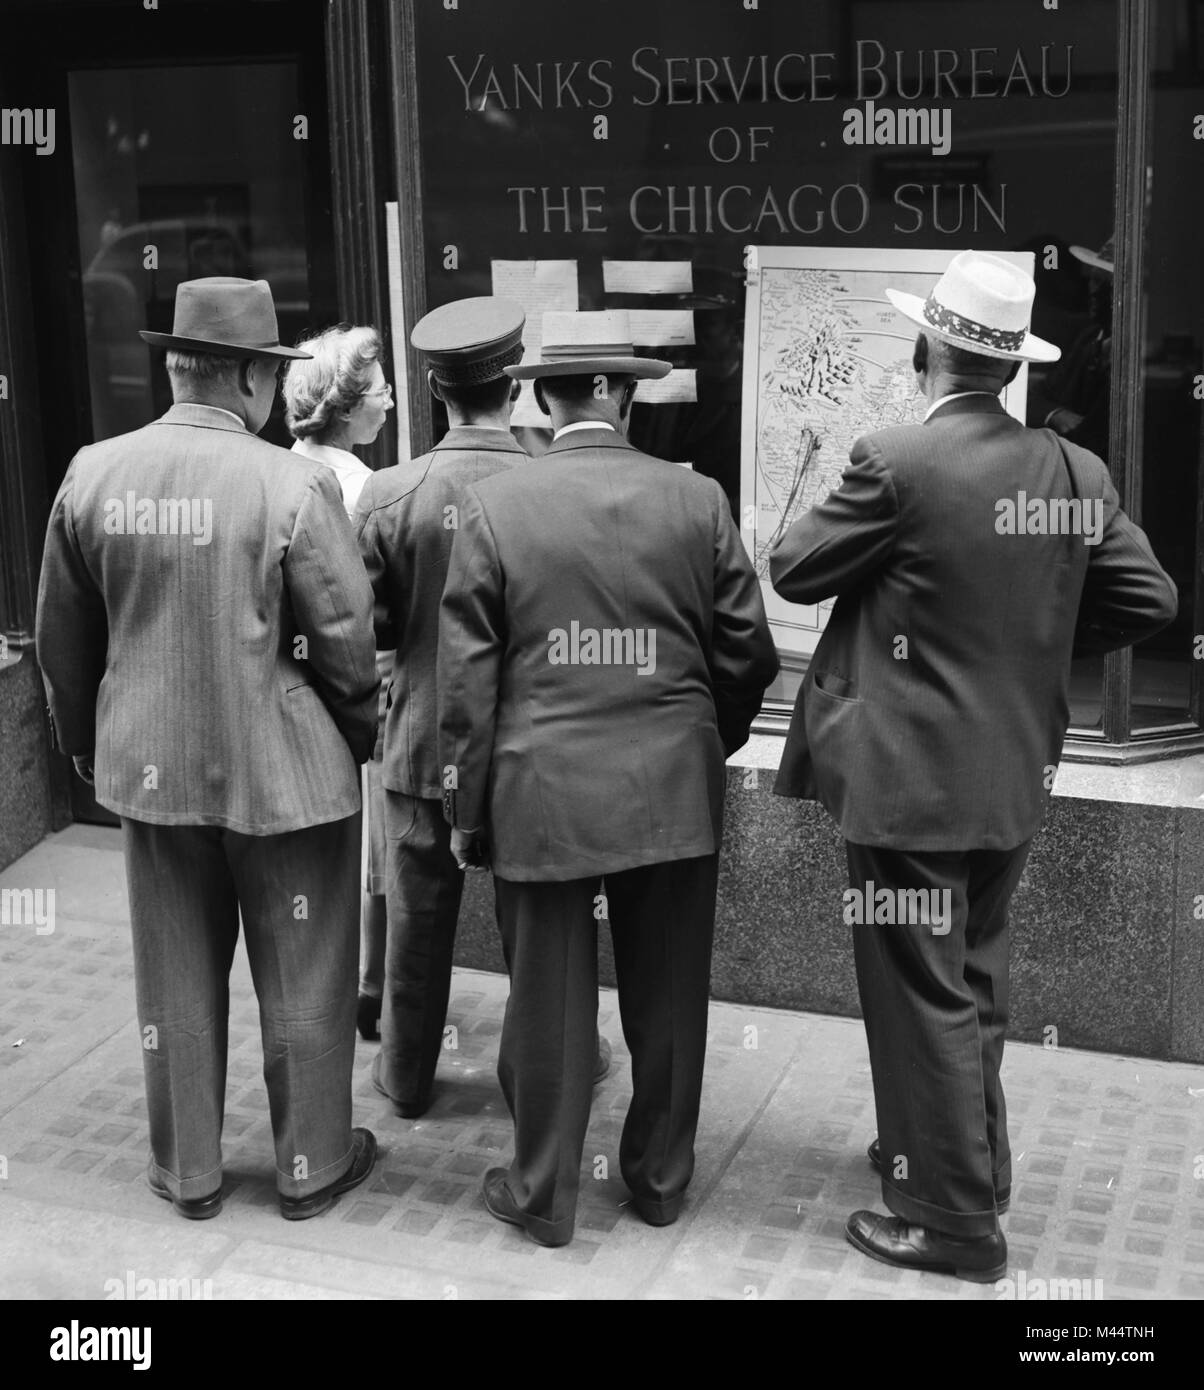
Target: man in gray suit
<point>205,631</point>
<point>406,519</point>
<point>602,646</point>
<point>970,558</point>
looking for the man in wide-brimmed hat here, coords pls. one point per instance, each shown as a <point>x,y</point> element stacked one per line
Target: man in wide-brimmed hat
<point>969,557</point>
<point>205,631</point>
<point>1076,397</point>
<point>602,646</point>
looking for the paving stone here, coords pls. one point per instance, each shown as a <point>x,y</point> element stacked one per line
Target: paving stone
<point>1105,1157</point>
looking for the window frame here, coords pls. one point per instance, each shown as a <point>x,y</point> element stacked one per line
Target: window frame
<point>1115,742</point>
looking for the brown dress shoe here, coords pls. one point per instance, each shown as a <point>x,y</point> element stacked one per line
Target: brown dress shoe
<point>657,1213</point>
<point>407,1111</point>
<point>194,1208</point>
<point>363,1157</point>
<point>499,1203</point>
<point>1003,1199</point>
<point>893,1241</point>
<point>367,1017</point>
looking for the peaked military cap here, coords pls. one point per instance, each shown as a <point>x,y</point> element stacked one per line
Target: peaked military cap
<point>471,341</point>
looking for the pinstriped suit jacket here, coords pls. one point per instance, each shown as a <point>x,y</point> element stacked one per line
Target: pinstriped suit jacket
<point>946,747</point>
<point>176,658</point>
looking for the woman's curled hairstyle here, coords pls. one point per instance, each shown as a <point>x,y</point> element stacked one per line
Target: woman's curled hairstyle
<point>333,380</point>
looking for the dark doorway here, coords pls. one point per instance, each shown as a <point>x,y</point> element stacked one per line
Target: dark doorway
<point>189,140</point>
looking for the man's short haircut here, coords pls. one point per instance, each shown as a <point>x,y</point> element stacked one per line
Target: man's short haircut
<point>336,375</point>
<point>580,390</point>
<point>954,361</point>
<point>482,398</point>
<point>202,368</point>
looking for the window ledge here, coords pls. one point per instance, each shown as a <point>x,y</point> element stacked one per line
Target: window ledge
<point>1176,782</point>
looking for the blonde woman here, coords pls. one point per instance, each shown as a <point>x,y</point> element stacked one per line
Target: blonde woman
<point>336,400</point>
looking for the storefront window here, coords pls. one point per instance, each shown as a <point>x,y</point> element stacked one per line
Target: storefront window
<point>157,205</point>
<point>1163,691</point>
<point>633,161</point>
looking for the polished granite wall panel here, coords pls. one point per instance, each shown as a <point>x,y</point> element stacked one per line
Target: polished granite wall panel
<point>24,762</point>
<point>780,936</point>
<point>1103,943</point>
<point>477,943</point>
<point>1092,929</point>
<point>1187,1003</point>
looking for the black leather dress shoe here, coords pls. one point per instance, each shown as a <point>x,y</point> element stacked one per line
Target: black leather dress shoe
<point>657,1213</point>
<point>499,1203</point>
<point>1003,1199</point>
<point>194,1208</point>
<point>412,1111</point>
<point>315,1203</point>
<point>367,1017</point>
<point>893,1241</point>
<point>602,1066</point>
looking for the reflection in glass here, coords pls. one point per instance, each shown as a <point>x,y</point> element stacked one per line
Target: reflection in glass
<point>1163,667</point>
<point>180,173</point>
<point>727,130</point>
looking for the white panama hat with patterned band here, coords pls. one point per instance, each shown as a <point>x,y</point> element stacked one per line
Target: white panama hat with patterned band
<point>983,304</point>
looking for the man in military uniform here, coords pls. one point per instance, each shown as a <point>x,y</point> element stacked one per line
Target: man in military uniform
<point>406,520</point>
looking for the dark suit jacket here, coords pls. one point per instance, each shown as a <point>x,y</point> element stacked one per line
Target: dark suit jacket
<point>947,747</point>
<point>584,769</point>
<point>406,519</point>
<point>179,663</point>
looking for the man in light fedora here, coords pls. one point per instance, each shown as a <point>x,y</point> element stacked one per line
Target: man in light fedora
<point>969,557</point>
<point>204,627</point>
<point>602,646</point>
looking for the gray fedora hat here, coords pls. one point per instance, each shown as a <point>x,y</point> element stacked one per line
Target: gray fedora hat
<point>226,316</point>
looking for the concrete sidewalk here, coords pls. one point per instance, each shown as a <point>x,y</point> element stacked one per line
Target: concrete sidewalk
<point>1108,1182</point>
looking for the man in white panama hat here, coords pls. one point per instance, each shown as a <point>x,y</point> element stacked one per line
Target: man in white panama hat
<point>602,646</point>
<point>969,558</point>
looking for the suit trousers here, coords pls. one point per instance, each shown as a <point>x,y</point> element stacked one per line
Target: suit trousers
<point>298,894</point>
<point>662,919</point>
<point>935,1001</point>
<point>423,889</point>
<point>374,912</point>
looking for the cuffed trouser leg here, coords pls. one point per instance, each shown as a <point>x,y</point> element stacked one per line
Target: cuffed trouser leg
<point>994,875</point>
<point>926,996</point>
<point>662,921</point>
<point>299,894</point>
<point>549,1043</point>
<point>184,926</point>
<point>373,918</point>
<point>424,888</point>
